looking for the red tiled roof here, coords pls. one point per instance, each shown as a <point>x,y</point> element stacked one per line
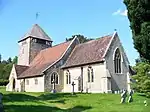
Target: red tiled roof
<point>89,52</point>
<point>44,59</point>
<point>20,69</point>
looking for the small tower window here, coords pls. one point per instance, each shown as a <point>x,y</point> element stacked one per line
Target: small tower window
<point>48,43</point>
<point>40,41</point>
<point>34,40</point>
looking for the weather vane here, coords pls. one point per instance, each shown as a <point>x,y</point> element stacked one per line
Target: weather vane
<point>37,15</point>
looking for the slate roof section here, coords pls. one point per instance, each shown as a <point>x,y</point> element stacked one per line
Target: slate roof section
<point>44,59</point>
<point>36,32</point>
<point>20,69</point>
<point>89,52</point>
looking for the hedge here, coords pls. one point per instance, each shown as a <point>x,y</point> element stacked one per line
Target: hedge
<point>3,82</point>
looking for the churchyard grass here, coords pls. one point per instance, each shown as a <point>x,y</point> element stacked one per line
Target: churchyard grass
<point>66,102</point>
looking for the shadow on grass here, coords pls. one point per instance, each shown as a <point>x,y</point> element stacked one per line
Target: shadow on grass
<point>41,108</point>
<point>53,98</point>
<point>50,96</point>
<point>58,101</point>
<point>18,97</point>
<point>144,95</point>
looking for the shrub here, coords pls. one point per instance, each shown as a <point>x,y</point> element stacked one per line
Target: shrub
<point>3,82</point>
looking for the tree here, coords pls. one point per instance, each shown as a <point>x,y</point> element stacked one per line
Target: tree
<point>15,60</point>
<point>6,66</point>
<point>140,60</point>
<point>6,70</point>
<point>0,58</point>
<point>4,62</point>
<point>9,60</point>
<point>1,70</point>
<point>142,78</point>
<point>81,38</point>
<point>139,17</point>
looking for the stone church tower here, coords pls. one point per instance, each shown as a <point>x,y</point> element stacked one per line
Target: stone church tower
<point>31,44</point>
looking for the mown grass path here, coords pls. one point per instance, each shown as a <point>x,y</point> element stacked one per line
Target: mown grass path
<point>65,102</point>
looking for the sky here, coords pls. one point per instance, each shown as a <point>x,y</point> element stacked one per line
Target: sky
<point>63,18</point>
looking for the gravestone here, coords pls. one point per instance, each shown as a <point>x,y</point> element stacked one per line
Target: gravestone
<point>1,105</point>
<point>130,97</point>
<point>123,96</point>
<point>145,103</point>
<point>73,84</point>
<point>53,90</point>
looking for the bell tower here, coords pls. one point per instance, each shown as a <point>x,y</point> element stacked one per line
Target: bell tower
<point>31,44</point>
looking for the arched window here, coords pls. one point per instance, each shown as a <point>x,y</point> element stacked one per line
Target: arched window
<point>54,78</point>
<point>90,74</point>
<point>68,77</point>
<point>117,61</point>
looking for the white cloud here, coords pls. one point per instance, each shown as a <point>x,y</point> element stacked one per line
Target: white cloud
<point>120,12</point>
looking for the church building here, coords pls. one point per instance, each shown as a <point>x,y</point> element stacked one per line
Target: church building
<point>97,66</point>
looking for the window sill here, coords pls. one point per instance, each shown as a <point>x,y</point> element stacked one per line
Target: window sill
<point>119,73</point>
<point>91,82</point>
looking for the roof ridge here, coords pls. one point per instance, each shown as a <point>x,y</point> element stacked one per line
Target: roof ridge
<point>97,39</point>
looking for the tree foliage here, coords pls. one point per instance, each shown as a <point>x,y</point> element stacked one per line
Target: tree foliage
<point>82,39</point>
<point>139,17</point>
<point>142,78</point>
<point>0,58</point>
<point>5,67</point>
<point>15,60</point>
<point>140,60</point>
<point>9,60</point>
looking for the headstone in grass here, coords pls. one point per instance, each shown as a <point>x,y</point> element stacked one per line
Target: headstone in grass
<point>123,96</point>
<point>73,84</point>
<point>53,90</point>
<point>145,103</point>
<point>1,105</point>
<point>130,96</point>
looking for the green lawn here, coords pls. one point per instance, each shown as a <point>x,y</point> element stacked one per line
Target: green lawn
<point>65,102</point>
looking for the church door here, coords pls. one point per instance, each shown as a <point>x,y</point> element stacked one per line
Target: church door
<point>14,82</point>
